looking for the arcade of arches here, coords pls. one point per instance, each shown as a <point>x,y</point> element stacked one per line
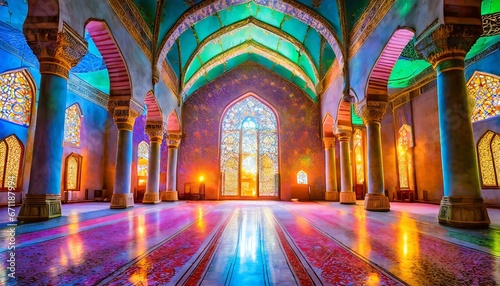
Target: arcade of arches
<point>360,106</point>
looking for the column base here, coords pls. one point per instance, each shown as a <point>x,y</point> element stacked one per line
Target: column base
<point>122,201</point>
<point>40,208</point>
<point>377,202</point>
<point>169,196</point>
<point>463,212</point>
<point>348,198</point>
<point>332,196</point>
<point>151,198</point>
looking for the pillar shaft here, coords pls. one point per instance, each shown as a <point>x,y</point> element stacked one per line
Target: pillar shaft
<point>445,48</point>
<point>347,196</point>
<point>123,168</point>
<point>173,141</point>
<point>57,52</point>
<point>372,111</point>
<point>155,131</point>
<point>331,193</point>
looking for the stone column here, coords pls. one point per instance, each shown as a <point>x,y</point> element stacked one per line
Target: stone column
<point>445,48</point>
<point>57,53</point>
<point>124,110</point>
<point>155,131</point>
<point>347,196</point>
<point>331,193</point>
<point>371,112</point>
<point>173,141</point>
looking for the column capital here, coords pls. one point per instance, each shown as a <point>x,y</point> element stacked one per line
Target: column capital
<point>173,140</point>
<point>342,132</point>
<point>155,131</point>
<point>124,110</point>
<point>447,42</point>
<point>371,110</point>
<point>329,142</point>
<point>57,51</point>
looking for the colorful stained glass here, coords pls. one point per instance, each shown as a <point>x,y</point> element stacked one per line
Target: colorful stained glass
<point>72,125</point>
<point>489,158</point>
<point>301,177</point>
<point>143,154</point>
<point>358,156</point>
<point>484,90</point>
<point>249,150</point>
<point>404,156</point>
<point>11,153</point>
<point>72,174</point>
<point>16,95</point>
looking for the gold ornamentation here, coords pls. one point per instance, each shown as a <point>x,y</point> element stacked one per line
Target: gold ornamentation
<point>170,79</point>
<point>367,22</point>
<point>448,42</point>
<point>131,18</point>
<point>155,131</point>
<point>329,142</point>
<point>371,110</point>
<point>491,24</point>
<point>57,52</point>
<point>342,132</point>
<point>173,140</point>
<point>86,91</point>
<point>124,111</point>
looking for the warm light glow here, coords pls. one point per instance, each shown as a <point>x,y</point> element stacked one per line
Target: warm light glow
<point>202,178</point>
<point>142,182</point>
<point>373,279</point>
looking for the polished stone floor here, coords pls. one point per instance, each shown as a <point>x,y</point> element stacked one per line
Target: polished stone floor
<point>251,243</point>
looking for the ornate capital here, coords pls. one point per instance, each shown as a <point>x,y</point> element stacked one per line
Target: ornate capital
<point>124,111</point>
<point>448,41</point>
<point>155,131</point>
<point>329,142</point>
<point>371,110</point>
<point>342,132</point>
<point>173,140</point>
<point>56,51</point>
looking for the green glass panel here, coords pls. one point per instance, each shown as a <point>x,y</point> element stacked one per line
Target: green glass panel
<point>327,59</point>
<point>288,50</point>
<point>261,60</point>
<point>299,82</point>
<point>173,59</point>
<point>263,37</point>
<point>215,72</point>
<point>206,27</point>
<point>187,43</point>
<point>269,16</point>
<point>236,61</point>
<point>199,83</point>
<point>355,119</point>
<point>313,45</point>
<point>404,71</point>
<point>235,38</point>
<point>307,68</point>
<point>490,6</point>
<point>294,27</point>
<point>210,51</point>
<point>195,65</point>
<point>97,79</point>
<point>482,44</point>
<point>282,71</point>
<point>234,14</point>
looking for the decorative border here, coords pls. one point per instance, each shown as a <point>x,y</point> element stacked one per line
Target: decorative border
<point>491,24</point>
<point>81,88</point>
<point>131,18</point>
<point>366,23</point>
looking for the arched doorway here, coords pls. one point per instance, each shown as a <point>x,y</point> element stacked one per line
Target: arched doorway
<point>249,150</point>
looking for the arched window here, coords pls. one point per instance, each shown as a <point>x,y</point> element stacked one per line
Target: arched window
<point>72,125</point>
<point>302,177</point>
<point>358,156</point>
<point>405,157</point>
<point>249,150</point>
<point>16,96</point>
<point>484,90</point>
<point>142,162</point>
<point>73,172</point>
<point>488,150</point>
<point>11,158</point>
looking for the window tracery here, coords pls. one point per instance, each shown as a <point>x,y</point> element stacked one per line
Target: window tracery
<point>358,156</point>
<point>73,172</point>
<point>16,95</point>
<point>72,125</point>
<point>488,149</point>
<point>143,158</point>
<point>302,177</point>
<point>484,90</point>
<point>11,158</point>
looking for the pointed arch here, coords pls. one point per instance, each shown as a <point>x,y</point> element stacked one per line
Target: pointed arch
<point>154,112</point>
<point>119,78</point>
<point>249,149</point>
<point>173,122</point>
<point>344,113</point>
<point>11,162</point>
<point>328,123</point>
<point>17,94</point>
<point>488,151</point>
<point>73,172</point>
<point>484,91</point>
<point>405,157</point>
<point>142,159</point>
<point>302,177</point>
<point>376,87</point>
<point>73,124</point>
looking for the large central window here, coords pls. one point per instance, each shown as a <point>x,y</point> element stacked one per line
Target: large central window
<point>249,150</point>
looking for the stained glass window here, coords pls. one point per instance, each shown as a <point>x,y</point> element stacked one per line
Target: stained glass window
<point>72,125</point>
<point>484,90</point>
<point>405,157</point>
<point>143,154</point>
<point>301,177</point>
<point>249,150</point>
<point>358,156</point>
<point>16,95</point>
<point>73,172</point>
<point>11,156</point>
<point>488,149</point>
